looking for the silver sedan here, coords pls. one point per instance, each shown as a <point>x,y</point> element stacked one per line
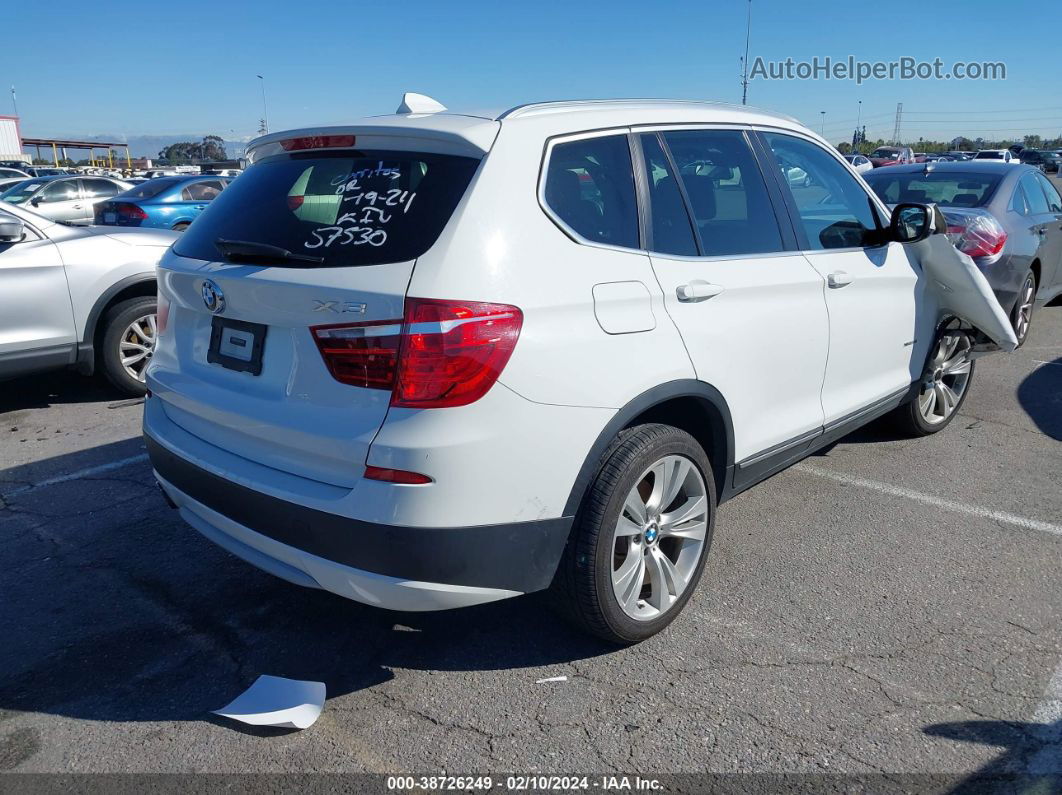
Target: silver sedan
<point>63,198</point>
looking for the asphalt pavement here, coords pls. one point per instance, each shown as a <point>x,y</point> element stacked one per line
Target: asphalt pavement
<point>888,605</point>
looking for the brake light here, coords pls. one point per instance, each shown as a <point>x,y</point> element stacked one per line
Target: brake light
<point>395,476</point>
<point>317,142</point>
<point>441,354</point>
<point>976,233</point>
<point>130,211</point>
<point>295,202</point>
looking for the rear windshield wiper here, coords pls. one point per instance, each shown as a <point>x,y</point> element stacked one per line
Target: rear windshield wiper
<point>250,251</point>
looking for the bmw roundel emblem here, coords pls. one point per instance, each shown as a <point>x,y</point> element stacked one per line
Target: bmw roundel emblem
<point>213,298</point>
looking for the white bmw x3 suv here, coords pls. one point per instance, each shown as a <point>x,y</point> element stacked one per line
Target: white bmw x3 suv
<point>433,359</point>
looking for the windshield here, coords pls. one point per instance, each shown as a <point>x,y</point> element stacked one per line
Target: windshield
<point>151,188</point>
<point>886,153</point>
<point>950,189</point>
<point>21,191</point>
<point>347,207</point>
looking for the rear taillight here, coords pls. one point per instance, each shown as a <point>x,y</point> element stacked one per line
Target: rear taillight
<point>295,202</point>
<point>130,211</point>
<point>396,476</point>
<point>976,233</point>
<point>441,354</point>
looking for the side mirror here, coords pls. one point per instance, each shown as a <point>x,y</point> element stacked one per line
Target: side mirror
<point>35,201</point>
<point>12,229</point>
<point>912,222</point>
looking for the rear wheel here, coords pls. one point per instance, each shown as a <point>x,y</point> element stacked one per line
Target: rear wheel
<point>641,540</point>
<point>1021,317</point>
<point>181,226</point>
<point>943,387</point>
<point>129,331</point>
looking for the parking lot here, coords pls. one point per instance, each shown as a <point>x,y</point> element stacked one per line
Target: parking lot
<point>887,605</point>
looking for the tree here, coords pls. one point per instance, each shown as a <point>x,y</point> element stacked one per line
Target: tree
<point>844,148</point>
<point>212,147</point>
<point>1033,141</point>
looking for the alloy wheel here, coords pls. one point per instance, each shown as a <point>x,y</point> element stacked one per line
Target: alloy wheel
<point>1023,313</point>
<point>659,537</point>
<point>946,378</point>
<point>138,345</point>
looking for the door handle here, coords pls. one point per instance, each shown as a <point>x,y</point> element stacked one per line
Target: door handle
<point>838,279</point>
<point>1041,232</point>
<point>697,290</point>
<point>77,206</point>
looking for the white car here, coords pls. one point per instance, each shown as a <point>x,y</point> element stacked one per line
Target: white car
<point>76,296</point>
<point>860,163</point>
<point>431,360</point>
<point>1002,155</point>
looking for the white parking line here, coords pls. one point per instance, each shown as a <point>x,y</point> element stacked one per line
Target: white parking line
<point>929,499</point>
<point>81,473</point>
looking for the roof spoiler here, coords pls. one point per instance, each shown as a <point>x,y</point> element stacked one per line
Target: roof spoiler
<point>419,103</point>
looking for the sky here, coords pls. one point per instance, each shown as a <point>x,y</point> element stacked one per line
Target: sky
<point>160,68</point>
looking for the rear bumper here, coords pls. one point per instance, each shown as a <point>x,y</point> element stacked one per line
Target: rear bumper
<point>395,567</point>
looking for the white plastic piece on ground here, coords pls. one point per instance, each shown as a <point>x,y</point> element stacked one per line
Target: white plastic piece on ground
<point>276,701</point>
<point>963,290</point>
<point>551,679</point>
<point>419,103</point>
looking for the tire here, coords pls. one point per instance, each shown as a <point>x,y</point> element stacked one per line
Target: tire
<point>947,366</point>
<point>119,334</point>
<point>1021,315</point>
<point>599,547</point>
<point>181,226</point>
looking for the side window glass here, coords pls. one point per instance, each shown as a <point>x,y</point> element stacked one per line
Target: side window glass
<point>727,194</point>
<point>201,191</point>
<point>672,233</point>
<point>1054,201</point>
<point>1034,195</point>
<point>590,187</point>
<point>99,188</point>
<point>63,191</point>
<point>834,210</point>
<point>1018,203</point>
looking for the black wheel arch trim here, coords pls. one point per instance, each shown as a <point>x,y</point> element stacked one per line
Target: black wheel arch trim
<point>86,349</point>
<point>658,395</point>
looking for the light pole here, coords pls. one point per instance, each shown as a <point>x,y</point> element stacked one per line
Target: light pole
<point>822,129</point>
<point>745,62</point>
<point>14,100</point>
<point>265,112</point>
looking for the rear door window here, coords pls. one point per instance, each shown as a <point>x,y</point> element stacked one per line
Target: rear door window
<point>1034,195</point>
<point>590,188</point>
<point>727,195</point>
<point>202,191</point>
<point>349,207</point>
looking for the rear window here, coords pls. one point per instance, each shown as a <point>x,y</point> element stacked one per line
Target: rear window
<point>947,188</point>
<point>349,207</point>
<point>151,188</point>
<point>988,156</point>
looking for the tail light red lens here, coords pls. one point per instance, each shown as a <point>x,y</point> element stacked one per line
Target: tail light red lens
<point>976,233</point>
<point>295,202</point>
<point>361,354</point>
<point>442,354</point>
<point>130,211</point>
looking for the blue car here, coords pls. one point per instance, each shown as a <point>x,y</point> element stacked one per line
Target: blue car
<point>162,203</point>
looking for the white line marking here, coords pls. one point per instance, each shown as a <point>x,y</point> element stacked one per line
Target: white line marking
<point>1050,708</point>
<point>929,499</point>
<point>81,473</point>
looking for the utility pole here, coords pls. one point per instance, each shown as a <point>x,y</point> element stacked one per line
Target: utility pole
<point>14,100</point>
<point>264,126</point>
<point>896,129</point>
<point>822,129</point>
<point>745,60</point>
